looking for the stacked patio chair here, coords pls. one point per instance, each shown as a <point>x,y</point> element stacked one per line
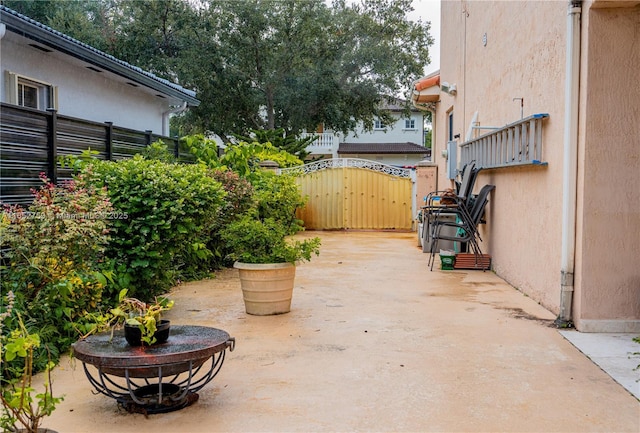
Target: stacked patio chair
<point>432,207</point>
<point>465,227</point>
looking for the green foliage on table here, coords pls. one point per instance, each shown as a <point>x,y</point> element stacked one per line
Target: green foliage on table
<point>134,312</point>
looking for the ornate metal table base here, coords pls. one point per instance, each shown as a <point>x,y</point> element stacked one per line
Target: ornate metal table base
<point>155,379</point>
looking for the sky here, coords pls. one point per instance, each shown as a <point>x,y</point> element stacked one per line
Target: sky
<point>429,10</point>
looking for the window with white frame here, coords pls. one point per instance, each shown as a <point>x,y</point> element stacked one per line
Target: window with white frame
<point>31,93</point>
<point>409,123</point>
<point>378,124</point>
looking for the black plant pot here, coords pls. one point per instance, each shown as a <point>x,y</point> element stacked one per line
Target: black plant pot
<point>133,335</point>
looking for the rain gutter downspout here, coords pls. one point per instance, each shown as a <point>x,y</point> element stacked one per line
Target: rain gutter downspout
<point>165,117</point>
<point>570,164</point>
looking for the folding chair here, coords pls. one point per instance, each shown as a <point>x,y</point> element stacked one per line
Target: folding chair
<point>463,196</point>
<point>466,227</point>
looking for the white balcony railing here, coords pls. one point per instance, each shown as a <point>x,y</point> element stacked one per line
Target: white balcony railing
<point>519,143</point>
<point>326,143</point>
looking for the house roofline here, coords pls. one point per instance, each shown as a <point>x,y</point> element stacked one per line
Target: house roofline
<point>38,32</point>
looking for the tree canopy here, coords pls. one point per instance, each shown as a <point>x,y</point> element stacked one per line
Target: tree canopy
<point>258,64</point>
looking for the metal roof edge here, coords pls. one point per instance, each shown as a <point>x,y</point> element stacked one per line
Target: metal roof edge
<point>52,38</point>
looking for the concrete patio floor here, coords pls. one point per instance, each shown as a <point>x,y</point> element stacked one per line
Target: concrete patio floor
<point>375,342</point>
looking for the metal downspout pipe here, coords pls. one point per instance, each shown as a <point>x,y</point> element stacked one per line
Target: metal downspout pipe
<point>166,114</point>
<point>570,164</point>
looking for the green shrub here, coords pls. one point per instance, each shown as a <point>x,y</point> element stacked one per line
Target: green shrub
<point>205,150</point>
<point>54,257</point>
<point>280,157</point>
<point>159,151</point>
<point>296,147</point>
<point>239,198</point>
<point>165,213</point>
<point>278,197</point>
<point>238,201</point>
<point>252,240</point>
<point>243,157</point>
<point>262,234</point>
<point>22,405</point>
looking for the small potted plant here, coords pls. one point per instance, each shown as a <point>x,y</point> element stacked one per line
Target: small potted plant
<point>23,408</point>
<point>266,259</point>
<point>142,321</point>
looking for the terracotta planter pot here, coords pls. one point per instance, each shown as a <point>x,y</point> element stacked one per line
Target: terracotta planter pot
<point>266,288</point>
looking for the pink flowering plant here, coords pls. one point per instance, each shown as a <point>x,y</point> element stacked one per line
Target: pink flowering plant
<point>54,256</point>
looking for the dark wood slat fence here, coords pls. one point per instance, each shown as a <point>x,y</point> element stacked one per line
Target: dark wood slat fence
<point>32,140</point>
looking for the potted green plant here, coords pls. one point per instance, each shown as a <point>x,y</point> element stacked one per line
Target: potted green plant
<point>142,321</point>
<point>266,258</point>
<point>23,408</point>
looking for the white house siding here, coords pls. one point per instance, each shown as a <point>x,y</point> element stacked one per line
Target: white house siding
<point>395,134</point>
<point>83,93</point>
<point>395,160</point>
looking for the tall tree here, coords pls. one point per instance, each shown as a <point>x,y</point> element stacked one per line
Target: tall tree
<point>86,20</point>
<point>294,64</point>
<point>260,64</point>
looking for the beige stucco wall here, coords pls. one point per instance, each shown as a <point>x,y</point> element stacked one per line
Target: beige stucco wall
<point>608,275</point>
<point>524,217</point>
<point>497,51</point>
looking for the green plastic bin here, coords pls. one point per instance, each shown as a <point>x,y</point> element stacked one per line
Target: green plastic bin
<point>446,262</point>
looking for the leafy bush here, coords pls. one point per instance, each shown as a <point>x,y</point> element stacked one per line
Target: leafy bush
<point>261,235</point>
<point>280,157</point>
<point>22,405</point>
<point>279,139</point>
<point>239,198</point>
<point>238,201</point>
<point>164,215</point>
<point>205,150</point>
<point>252,240</point>
<point>54,252</point>
<point>278,197</point>
<point>243,157</point>
<point>159,151</point>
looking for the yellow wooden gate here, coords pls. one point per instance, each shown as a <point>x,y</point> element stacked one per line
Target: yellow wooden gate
<point>350,193</point>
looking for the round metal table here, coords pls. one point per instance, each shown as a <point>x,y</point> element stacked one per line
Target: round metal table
<point>158,378</point>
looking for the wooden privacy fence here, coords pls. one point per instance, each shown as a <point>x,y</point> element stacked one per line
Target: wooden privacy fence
<point>32,140</point>
<point>350,193</point>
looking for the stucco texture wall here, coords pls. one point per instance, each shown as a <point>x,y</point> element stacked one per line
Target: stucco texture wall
<point>608,275</point>
<point>495,52</point>
<point>498,51</point>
